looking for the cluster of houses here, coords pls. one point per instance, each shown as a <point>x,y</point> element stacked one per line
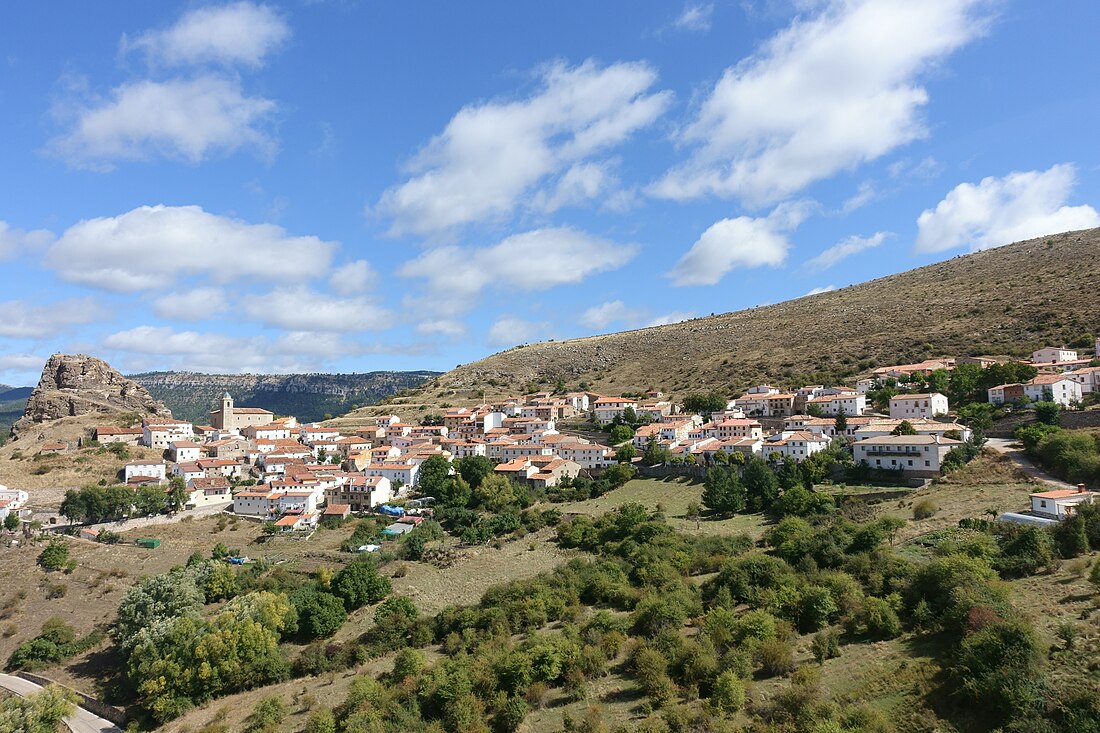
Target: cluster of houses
<point>301,473</point>
<point>12,501</point>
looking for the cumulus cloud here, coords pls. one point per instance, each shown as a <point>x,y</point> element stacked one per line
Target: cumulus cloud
<point>441,327</point>
<point>354,277</point>
<point>997,211</point>
<point>491,156</point>
<point>15,242</point>
<point>150,246</point>
<point>237,33</point>
<point>190,305</point>
<point>741,242</point>
<point>696,17</point>
<point>603,315</point>
<point>21,363</point>
<point>673,317</point>
<point>509,331</point>
<point>824,95</point>
<point>183,119</point>
<point>19,319</point>
<point>537,260</point>
<point>845,248</point>
<point>823,289</point>
<point>302,309</point>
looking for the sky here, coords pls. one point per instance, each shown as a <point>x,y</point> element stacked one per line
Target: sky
<point>351,186</point>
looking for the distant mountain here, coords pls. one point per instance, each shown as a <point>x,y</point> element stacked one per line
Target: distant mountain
<point>309,397</point>
<point>13,400</point>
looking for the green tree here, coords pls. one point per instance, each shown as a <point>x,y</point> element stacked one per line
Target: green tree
<point>625,453</point>
<point>12,521</point>
<point>728,695</point>
<point>621,434</point>
<point>496,493</point>
<point>761,484</point>
<point>177,493</point>
<point>41,712</point>
<point>653,454</point>
<point>723,492</point>
<point>630,416</point>
<point>321,721</point>
<point>962,387</point>
<point>434,476</point>
<point>55,556</point>
<point>938,381</point>
<point>150,500</point>
<point>904,428</point>
<point>704,403</point>
<point>320,614</point>
<point>1000,668</point>
<point>73,506</point>
<point>474,469</point>
<point>1048,413</point>
<point>978,416</point>
<point>840,424</point>
<point>358,583</point>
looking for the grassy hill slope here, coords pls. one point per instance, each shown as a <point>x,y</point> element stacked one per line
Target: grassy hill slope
<point>1004,301</point>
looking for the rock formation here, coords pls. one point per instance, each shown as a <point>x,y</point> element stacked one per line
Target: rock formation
<point>80,385</point>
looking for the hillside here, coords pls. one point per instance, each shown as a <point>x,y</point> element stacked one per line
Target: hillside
<point>13,400</point>
<point>309,397</point>
<point>1004,301</point>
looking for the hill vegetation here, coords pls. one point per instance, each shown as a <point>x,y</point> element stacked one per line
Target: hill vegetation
<point>1001,302</point>
<point>309,397</point>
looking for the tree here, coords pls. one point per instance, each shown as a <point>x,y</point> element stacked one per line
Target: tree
<point>73,506</point>
<point>150,500</point>
<point>704,403</point>
<point>630,416</point>
<point>12,521</point>
<point>496,493</point>
<point>938,381</point>
<point>814,410</point>
<point>904,428</point>
<point>1048,413</point>
<point>621,434</point>
<point>653,454</point>
<point>177,493</point>
<point>723,492</point>
<point>625,453</point>
<point>55,556</point>
<point>728,695</point>
<point>962,387</point>
<point>761,484</point>
<point>474,469</point>
<point>840,425</point>
<point>320,614</point>
<point>42,712</point>
<point>358,584</point>
<point>978,416</point>
<point>435,475</point>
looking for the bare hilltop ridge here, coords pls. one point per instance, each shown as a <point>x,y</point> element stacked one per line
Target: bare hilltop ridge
<point>73,385</point>
<point>1000,301</point>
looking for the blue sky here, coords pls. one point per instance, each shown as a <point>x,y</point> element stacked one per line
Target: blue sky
<point>350,186</point>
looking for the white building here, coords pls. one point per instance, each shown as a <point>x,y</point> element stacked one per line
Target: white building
<point>607,409</point>
<point>263,504</point>
<point>796,446</point>
<point>1053,355</point>
<point>914,406</point>
<point>144,469</point>
<point>1061,503</point>
<point>851,403</point>
<point>914,455</point>
<point>160,432</point>
<point>208,491</point>
<point>404,474</point>
<point>182,451</point>
<point>361,493</point>
<point>1058,388</point>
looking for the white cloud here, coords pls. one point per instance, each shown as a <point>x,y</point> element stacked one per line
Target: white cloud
<point>442,327</point>
<point>237,33</point>
<point>21,364</point>
<point>603,315</point>
<point>865,194</point>
<point>15,242</point>
<point>190,305</point>
<point>823,95</point>
<point>185,119</point>
<point>509,331</point>
<point>823,289</point>
<point>492,155</point>
<point>537,260</point>
<point>696,17</point>
<point>845,248</point>
<point>673,317</point>
<point>150,246</point>
<point>742,242</point>
<point>354,277</point>
<point>301,309</point>
<point>997,211</point>
<point>19,319</point>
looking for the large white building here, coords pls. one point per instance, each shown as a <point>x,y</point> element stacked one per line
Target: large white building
<point>914,455</point>
<point>1053,355</point>
<point>918,406</point>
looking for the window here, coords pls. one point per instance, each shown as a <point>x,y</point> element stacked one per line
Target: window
<point>1043,502</point>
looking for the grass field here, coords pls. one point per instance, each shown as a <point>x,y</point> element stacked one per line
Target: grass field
<point>672,495</point>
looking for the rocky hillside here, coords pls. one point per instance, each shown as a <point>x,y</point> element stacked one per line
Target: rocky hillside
<point>76,384</point>
<point>1004,301</point>
<point>310,397</point>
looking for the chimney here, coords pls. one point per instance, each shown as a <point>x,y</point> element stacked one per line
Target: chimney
<point>1080,488</point>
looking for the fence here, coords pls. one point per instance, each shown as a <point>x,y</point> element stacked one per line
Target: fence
<point>89,703</point>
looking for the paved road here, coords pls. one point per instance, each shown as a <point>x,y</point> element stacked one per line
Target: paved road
<point>1013,450</point>
<point>82,721</point>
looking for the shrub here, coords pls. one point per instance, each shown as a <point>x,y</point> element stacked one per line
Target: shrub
<point>266,716</point>
<point>55,556</point>
<point>924,509</point>
<point>825,645</point>
<point>776,657</point>
<point>728,695</point>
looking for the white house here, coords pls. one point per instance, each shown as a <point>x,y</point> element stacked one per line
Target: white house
<point>911,406</point>
<point>1061,503</point>
<point>1054,387</point>
<point>1088,378</point>
<point>209,491</point>
<point>588,455</point>
<point>607,409</point>
<point>405,474</point>
<point>182,451</point>
<point>159,432</point>
<point>261,503</point>
<point>1053,355</point>
<point>914,455</point>
<point>797,445</point>
<point>361,493</point>
<point>144,469</point>
<point>852,403</point>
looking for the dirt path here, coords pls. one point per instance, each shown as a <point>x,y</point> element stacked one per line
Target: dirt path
<point>1011,449</point>
<point>81,721</point>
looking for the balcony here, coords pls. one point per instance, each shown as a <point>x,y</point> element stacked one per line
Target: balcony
<point>892,452</point>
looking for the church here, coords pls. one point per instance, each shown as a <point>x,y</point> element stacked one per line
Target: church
<point>230,417</point>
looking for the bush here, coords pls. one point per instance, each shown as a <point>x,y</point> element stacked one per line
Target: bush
<point>1000,668</point>
<point>728,695</point>
<point>825,645</point>
<point>55,556</point>
<point>776,657</point>
<point>924,509</point>
<point>266,716</point>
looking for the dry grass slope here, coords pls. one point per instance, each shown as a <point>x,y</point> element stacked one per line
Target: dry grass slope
<point>1002,301</point>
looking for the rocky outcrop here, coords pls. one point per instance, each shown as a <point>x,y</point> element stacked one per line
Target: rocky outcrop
<point>80,385</point>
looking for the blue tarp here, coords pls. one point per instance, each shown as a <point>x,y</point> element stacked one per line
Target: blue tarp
<point>393,511</point>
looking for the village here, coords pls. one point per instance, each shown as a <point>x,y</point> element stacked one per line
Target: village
<point>250,463</point>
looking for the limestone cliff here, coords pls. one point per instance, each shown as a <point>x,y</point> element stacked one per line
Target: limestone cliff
<point>79,385</point>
